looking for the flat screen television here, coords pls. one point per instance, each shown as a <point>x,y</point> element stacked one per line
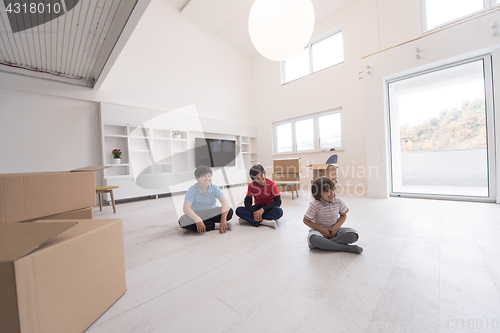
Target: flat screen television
<point>215,152</point>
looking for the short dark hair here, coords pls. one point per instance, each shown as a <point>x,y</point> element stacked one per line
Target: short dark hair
<point>255,170</point>
<point>201,170</point>
<point>321,185</point>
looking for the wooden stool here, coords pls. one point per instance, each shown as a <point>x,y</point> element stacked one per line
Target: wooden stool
<point>106,189</point>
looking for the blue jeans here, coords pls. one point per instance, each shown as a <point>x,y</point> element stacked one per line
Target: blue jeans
<point>272,214</point>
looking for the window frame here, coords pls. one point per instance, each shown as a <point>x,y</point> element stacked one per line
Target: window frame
<point>309,47</point>
<point>488,5</point>
<point>316,138</point>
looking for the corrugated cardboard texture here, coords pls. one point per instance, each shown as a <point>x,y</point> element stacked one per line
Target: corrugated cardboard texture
<point>82,214</point>
<point>17,240</point>
<point>9,320</point>
<point>30,196</point>
<point>290,165</point>
<point>67,284</point>
<point>281,177</point>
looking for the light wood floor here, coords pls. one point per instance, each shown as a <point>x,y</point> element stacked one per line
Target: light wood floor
<point>425,262</point>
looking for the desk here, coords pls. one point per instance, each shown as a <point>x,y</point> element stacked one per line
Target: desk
<point>290,185</point>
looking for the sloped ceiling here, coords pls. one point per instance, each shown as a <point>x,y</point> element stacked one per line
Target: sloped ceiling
<point>77,41</point>
<point>228,19</point>
<point>70,41</point>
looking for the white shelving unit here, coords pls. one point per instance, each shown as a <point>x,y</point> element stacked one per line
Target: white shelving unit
<point>248,154</point>
<point>145,150</point>
<point>158,149</point>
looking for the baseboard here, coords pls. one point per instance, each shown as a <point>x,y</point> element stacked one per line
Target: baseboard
<point>377,194</point>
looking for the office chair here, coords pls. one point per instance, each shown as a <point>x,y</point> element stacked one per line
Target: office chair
<point>332,159</point>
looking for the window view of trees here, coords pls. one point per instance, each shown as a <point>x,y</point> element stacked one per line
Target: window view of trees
<point>457,128</point>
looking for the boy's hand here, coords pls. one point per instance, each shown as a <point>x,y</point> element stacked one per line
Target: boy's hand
<point>326,233</point>
<point>223,227</point>
<point>257,215</point>
<point>200,226</point>
<point>333,232</point>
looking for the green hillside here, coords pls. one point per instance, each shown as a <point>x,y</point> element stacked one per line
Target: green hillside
<point>458,128</point>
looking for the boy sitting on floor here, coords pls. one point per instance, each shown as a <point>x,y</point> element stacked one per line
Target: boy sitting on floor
<point>325,216</point>
<point>267,200</point>
<point>201,212</point>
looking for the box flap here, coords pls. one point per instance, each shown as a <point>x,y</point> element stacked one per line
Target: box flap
<point>91,168</point>
<point>19,239</point>
<point>321,166</point>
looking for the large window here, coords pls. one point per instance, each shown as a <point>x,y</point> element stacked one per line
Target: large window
<point>304,133</point>
<point>439,12</point>
<point>441,132</point>
<point>316,132</point>
<point>284,138</point>
<point>329,131</point>
<point>318,55</point>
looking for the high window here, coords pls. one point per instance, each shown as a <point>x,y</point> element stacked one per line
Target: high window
<point>316,132</point>
<point>436,13</point>
<point>320,54</point>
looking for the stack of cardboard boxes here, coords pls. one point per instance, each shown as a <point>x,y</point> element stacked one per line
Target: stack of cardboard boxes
<point>60,270</point>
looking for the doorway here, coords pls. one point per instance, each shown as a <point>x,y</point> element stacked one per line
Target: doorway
<point>441,132</point>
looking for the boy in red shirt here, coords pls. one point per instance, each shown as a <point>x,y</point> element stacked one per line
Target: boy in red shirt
<point>267,200</point>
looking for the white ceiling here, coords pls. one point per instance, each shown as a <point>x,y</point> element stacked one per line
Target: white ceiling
<point>81,45</point>
<point>228,19</point>
<point>77,46</point>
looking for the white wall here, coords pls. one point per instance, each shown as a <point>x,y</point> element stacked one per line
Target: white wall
<point>167,64</point>
<point>45,133</point>
<point>375,32</point>
<point>470,38</point>
<point>334,87</point>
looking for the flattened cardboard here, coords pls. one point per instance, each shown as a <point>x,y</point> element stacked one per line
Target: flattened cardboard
<point>66,284</point>
<point>289,165</point>
<point>33,195</point>
<point>16,241</point>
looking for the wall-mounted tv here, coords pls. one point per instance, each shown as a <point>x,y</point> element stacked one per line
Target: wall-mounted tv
<point>215,152</point>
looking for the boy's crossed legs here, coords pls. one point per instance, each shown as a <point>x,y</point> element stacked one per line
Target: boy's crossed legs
<point>272,214</point>
<point>340,242</point>
<point>210,217</point>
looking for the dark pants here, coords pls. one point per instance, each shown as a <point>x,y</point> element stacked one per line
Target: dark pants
<point>272,214</point>
<point>210,217</point>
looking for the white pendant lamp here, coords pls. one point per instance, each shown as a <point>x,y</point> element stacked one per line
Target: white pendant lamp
<point>279,29</point>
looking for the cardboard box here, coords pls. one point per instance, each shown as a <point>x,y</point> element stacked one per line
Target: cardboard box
<point>80,214</point>
<point>288,165</point>
<point>29,196</point>
<point>324,170</point>
<point>283,177</point>
<point>59,276</point>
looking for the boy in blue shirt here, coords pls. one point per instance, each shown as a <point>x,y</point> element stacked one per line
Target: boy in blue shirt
<point>201,213</point>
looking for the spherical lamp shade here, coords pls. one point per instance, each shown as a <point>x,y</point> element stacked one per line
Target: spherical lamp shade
<point>280,29</point>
